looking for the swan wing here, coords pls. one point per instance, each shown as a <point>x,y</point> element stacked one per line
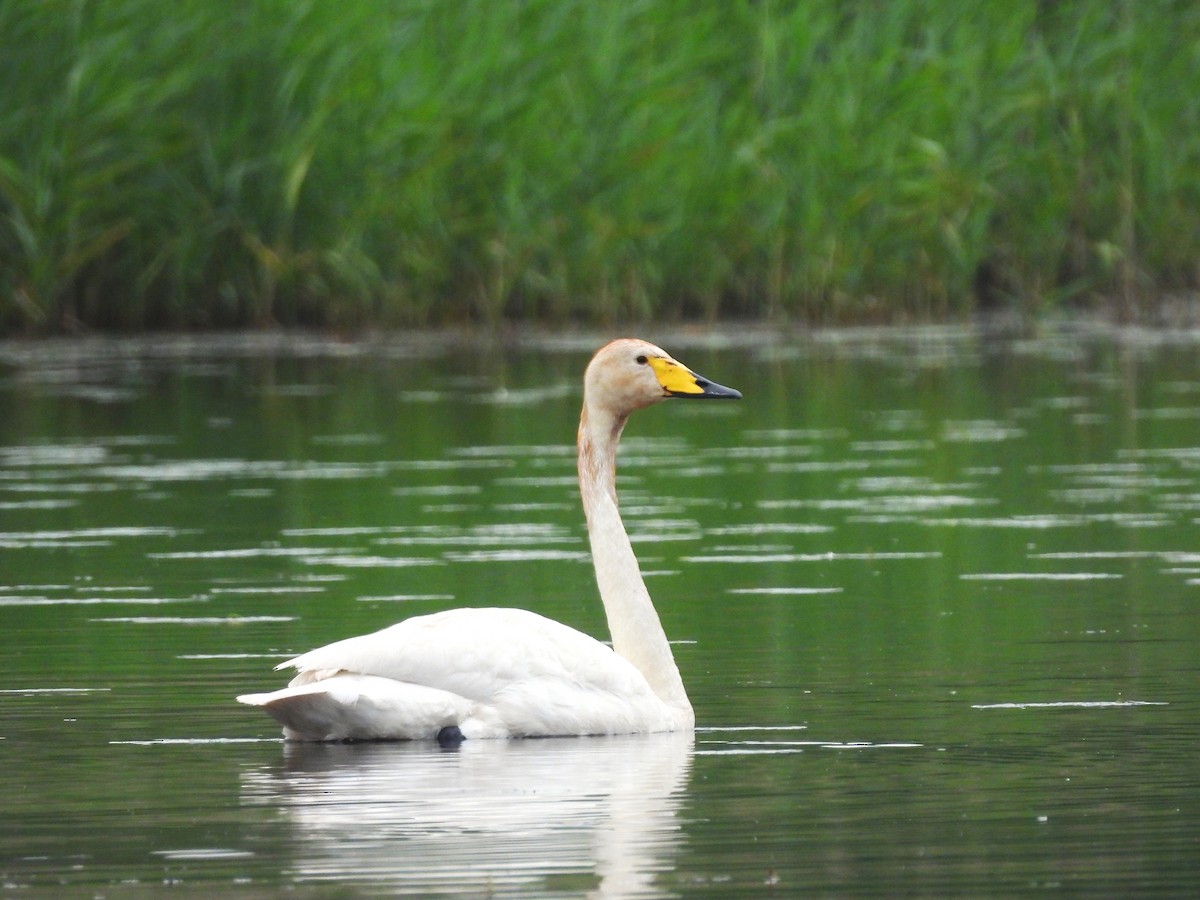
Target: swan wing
<point>472,652</point>
<point>362,707</point>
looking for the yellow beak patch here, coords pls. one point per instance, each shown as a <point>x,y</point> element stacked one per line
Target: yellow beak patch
<point>675,378</point>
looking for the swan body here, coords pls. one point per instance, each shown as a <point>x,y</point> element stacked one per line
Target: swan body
<point>496,673</point>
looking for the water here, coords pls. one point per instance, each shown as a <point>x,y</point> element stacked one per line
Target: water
<point>933,593</point>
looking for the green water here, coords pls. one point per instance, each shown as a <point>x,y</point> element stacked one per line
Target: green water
<point>933,592</point>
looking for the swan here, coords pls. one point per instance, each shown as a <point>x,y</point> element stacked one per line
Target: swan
<point>499,673</point>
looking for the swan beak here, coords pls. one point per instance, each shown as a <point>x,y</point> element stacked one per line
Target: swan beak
<point>678,380</point>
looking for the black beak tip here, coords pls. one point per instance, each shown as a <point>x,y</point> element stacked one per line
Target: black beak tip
<point>714,391</point>
<point>723,393</point>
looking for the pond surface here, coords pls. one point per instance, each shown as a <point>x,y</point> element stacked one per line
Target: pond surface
<point>935,594</point>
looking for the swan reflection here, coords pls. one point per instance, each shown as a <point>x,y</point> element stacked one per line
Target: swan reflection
<point>556,815</point>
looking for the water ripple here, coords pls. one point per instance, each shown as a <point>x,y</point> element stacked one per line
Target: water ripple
<point>95,601</point>
<point>195,620</point>
<point>1071,704</point>
<point>810,557</point>
<point>787,591</point>
<point>1039,576</point>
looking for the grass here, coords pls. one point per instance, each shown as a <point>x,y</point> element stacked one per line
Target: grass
<point>424,161</point>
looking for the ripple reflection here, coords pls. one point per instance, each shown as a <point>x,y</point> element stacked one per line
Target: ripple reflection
<point>518,818</point>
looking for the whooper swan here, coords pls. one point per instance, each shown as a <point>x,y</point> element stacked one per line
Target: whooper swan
<point>496,673</point>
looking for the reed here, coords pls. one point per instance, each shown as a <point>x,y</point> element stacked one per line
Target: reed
<point>293,161</point>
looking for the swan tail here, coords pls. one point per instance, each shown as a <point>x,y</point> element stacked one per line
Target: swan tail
<point>364,707</point>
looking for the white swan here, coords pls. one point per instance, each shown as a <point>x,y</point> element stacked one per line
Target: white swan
<point>496,673</point>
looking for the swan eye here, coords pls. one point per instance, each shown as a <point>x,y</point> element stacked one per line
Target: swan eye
<point>641,360</point>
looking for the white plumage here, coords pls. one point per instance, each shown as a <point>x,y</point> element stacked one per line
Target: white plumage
<point>494,673</point>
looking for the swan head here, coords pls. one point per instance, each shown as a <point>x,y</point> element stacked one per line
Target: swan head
<point>630,374</point>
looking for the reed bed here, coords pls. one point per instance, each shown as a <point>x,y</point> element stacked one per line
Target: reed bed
<point>199,164</point>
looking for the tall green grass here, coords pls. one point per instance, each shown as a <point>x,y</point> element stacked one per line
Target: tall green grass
<point>296,161</point>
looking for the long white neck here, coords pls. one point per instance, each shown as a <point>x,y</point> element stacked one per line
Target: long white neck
<point>637,633</point>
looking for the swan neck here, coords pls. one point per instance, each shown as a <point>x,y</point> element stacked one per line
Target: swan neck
<point>598,439</point>
<point>637,633</point>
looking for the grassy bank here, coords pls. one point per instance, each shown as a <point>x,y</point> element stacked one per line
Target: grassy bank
<point>294,161</point>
